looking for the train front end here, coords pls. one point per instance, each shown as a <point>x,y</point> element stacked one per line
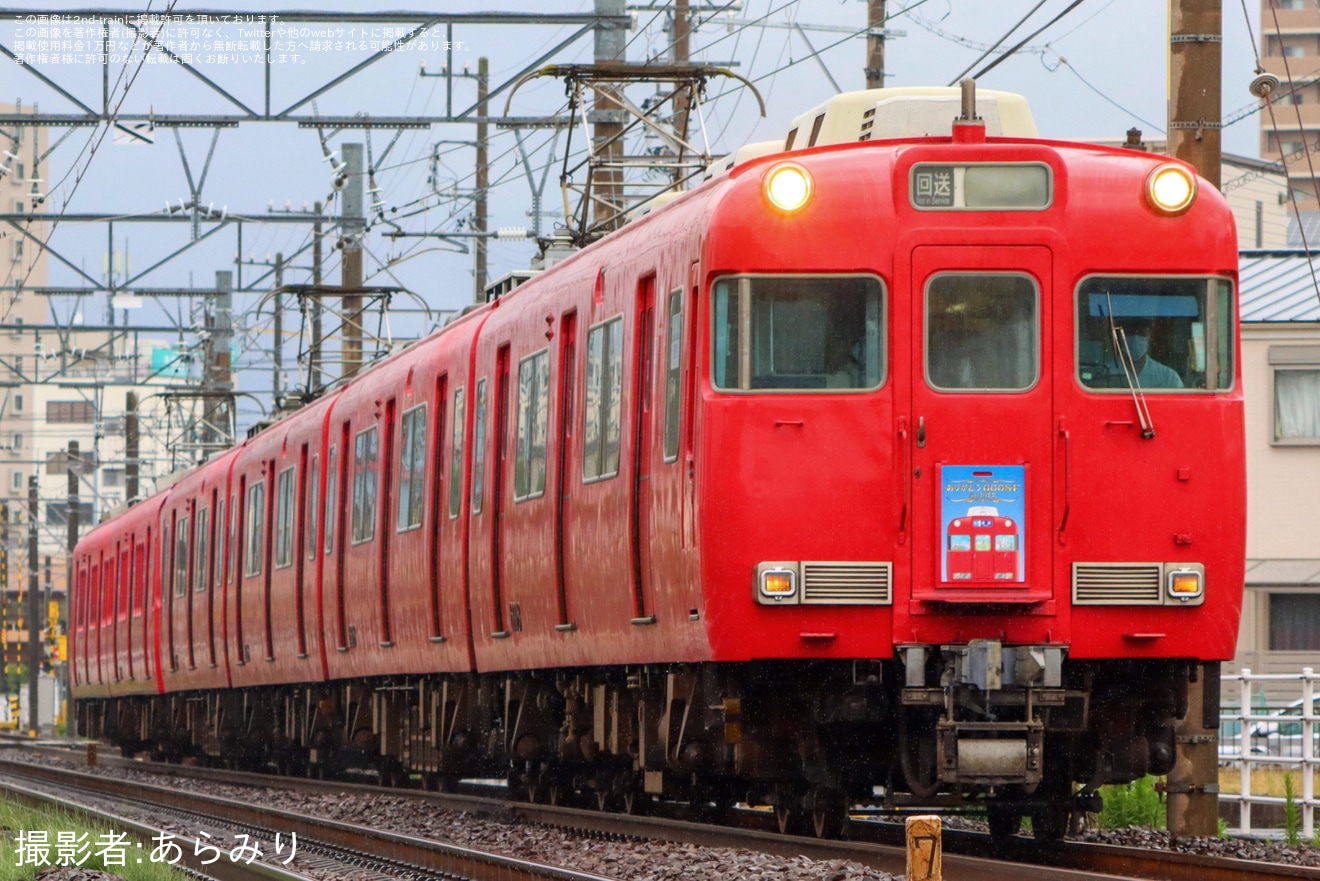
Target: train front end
<point>971,466</point>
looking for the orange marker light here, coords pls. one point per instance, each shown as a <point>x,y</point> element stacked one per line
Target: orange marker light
<point>777,583</point>
<point>1184,584</point>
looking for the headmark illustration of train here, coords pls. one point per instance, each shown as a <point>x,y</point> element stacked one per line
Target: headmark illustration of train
<point>898,463</point>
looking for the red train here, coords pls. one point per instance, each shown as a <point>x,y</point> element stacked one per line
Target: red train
<point>670,518</point>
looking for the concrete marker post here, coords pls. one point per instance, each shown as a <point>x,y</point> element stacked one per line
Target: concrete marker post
<point>924,848</point>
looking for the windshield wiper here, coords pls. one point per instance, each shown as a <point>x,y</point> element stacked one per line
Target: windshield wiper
<point>1124,355</point>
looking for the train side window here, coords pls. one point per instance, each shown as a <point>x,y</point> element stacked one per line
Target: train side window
<point>456,457</point>
<point>203,567</point>
<point>165,568</point>
<point>181,557</point>
<point>797,333</point>
<point>92,593</point>
<point>673,372</point>
<point>366,451</point>
<point>330,506</point>
<point>231,529</point>
<point>533,414</point>
<point>412,469</point>
<point>143,575</point>
<point>284,519</point>
<point>121,587</point>
<point>131,587</point>
<point>1162,334</point>
<point>256,527</point>
<point>313,488</point>
<point>218,552</point>
<point>604,401</point>
<point>479,446</point>
<point>982,332</point>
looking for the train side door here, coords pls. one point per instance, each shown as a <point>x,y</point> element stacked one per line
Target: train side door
<point>498,505</point>
<point>563,451</point>
<point>641,533</point>
<point>981,424</point>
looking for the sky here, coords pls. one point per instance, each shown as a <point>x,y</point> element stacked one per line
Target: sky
<point>1097,71</point>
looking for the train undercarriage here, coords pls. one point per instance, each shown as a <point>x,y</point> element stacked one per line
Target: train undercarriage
<point>1005,731</point>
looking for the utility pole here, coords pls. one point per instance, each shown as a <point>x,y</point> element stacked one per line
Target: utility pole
<point>34,645</point>
<point>682,55</point>
<point>1195,72</point>
<point>73,464</point>
<point>130,447</point>
<point>483,181</point>
<point>314,355</point>
<point>875,44</point>
<point>4,596</point>
<point>279,327</point>
<point>607,123</point>
<point>351,224</point>
<point>217,376</point>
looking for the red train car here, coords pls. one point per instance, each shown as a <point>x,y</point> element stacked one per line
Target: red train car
<point>673,518</point>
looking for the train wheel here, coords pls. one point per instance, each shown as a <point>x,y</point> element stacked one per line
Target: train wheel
<point>829,822</point>
<point>636,802</point>
<point>608,788</point>
<point>1004,824</point>
<point>1051,823</point>
<point>829,811</point>
<point>788,810</point>
<point>535,789</point>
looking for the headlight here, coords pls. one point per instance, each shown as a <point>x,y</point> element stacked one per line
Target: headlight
<point>1185,584</point>
<point>788,187</point>
<point>1171,189</point>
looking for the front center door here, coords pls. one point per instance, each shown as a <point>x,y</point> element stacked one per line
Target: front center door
<point>981,425</point>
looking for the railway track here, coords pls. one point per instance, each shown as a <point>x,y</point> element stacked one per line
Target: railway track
<point>325,849</point>
<point>874,844</point>
<point>189,859</point>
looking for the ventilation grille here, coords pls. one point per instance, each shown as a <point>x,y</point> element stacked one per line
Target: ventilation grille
<point>1116,584</point>
<point>846,584</point>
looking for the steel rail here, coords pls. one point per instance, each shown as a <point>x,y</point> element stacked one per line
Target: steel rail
<point>221,870</point>
<point>878,845</point>
<point>389,846</point>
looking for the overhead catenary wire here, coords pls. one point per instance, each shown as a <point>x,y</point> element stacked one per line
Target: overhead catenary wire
<point>1027,39</point>
<point>1274,126</point>
<point>1019,23</point>
<point>90,147</point>
<point>1075,72</point>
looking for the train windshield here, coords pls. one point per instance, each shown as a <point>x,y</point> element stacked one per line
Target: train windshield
<point>1176,334</point>
<point>815,333</point>
<point>982,332</point>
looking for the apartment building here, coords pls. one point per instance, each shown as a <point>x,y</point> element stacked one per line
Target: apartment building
<point>1290,130</point>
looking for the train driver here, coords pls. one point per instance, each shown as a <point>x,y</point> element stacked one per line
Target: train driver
<point>1150,373</point>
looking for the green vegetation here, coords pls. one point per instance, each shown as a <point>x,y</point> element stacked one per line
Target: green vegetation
<point>1132,804</point>
<point>1292,815</point>
<point>68,837</point>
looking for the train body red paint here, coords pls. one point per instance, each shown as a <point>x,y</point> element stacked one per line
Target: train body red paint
<point>688,513</point>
